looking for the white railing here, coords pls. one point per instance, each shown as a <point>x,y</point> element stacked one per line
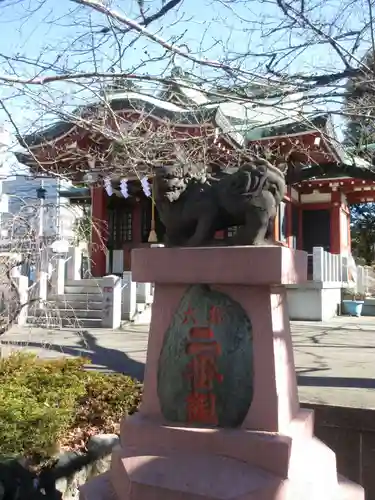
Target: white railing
<point>328,267</point>
<point>341,269</point>
<point>366,280</point>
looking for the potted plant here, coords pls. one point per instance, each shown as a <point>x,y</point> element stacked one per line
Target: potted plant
<point>354,303</point>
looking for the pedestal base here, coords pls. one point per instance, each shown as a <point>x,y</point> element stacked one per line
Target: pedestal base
<point>141,477</point>
<point>101,488</point>
<point>167,462</point>
<point>225,309</point>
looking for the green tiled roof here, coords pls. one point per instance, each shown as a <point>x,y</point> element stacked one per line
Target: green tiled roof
<point>355,169</point>
<point>75,192</point>
<point>285,127</point>
<point>127,100</point>
<point>46,134</point>
<point>369,147</point>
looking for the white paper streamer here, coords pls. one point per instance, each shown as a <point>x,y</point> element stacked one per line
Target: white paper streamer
<point>124,188</point>
<point>146,187</point>
<point>108,186</point>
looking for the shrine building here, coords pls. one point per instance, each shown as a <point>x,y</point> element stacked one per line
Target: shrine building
<point>323,179</point>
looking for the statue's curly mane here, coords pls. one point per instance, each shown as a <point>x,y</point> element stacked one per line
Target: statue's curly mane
<point>173,180</point>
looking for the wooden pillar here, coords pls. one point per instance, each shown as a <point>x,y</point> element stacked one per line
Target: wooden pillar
<point>99,232</point>
<point>349,234</point>
<point>346,243</point>
<point>335,223</point>
<point>300,228</point>
<point>276,232</point>
<point>289,219</point>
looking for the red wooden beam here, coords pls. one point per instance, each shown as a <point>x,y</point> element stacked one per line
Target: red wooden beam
<point>99,232</point>
<point>335,246</point>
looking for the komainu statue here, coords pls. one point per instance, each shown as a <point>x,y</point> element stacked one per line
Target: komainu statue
<point>193,205</point>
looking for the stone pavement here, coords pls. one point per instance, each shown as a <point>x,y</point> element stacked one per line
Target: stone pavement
<point>335,360</point>
<point>121,351</point>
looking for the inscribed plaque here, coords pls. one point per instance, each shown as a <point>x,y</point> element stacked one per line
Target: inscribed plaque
<point>205,373</point>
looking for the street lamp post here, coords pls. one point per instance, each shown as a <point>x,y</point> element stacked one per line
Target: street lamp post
<point>41,195</point>
<point>42,267</point>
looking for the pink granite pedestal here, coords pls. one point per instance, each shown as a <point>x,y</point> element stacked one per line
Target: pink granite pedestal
<point>273,455</point>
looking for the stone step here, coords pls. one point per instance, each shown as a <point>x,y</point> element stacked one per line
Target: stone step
<point>47,322</point>
<point>141,306</point>
<point>82,304</point>
<point>84,289</point>
<point>69,312</point>
<point>84,282</point>
<point>72,298</point>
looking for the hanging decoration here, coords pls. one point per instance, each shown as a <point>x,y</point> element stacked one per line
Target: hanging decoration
<point>108,186</point>
<point>146,187</point>
<point>124,188</point>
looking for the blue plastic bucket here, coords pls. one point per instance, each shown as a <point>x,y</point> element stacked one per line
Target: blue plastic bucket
<point>353,307</point>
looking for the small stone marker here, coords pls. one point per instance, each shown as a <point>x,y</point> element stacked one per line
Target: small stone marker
<point>22,282</point>
<point>111,312</point>
<point>74,263</point>
<point>129,296</point>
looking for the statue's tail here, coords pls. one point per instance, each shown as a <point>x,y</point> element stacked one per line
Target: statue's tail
<point>247,182</point>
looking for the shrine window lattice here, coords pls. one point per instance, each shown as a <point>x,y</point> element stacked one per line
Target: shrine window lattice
<point>120,228</point>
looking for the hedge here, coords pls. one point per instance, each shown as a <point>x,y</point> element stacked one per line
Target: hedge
<point>46,405</point>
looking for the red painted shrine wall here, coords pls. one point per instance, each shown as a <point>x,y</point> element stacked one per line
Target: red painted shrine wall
<point>288,227</point>
<point>99,230</point>
<point>336,223</point>
<point>339,220</point>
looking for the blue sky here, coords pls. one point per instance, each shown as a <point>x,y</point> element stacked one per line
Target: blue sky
<point>35,28</point>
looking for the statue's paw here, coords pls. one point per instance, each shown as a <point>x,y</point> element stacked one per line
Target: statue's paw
<point>275,243</point>
<point>266,243</point>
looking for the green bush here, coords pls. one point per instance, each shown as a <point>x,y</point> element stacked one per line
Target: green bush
<point>48,403</point>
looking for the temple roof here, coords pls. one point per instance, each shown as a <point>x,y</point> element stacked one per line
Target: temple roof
<point>255,118</point>
<point>364,147</point>
<point>286,126</point>
<point>353,168</point>
<point>183,101</point>
<point>131,101</point>
<point>75,192</point>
